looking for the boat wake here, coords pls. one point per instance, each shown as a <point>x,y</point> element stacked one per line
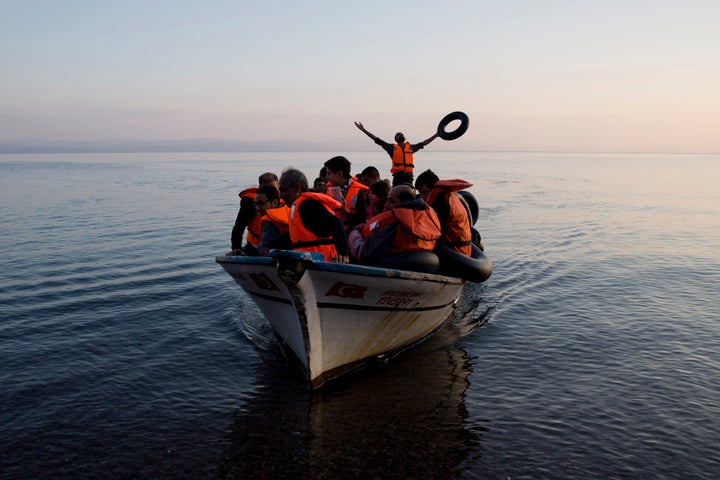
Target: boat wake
<point>251,323</point>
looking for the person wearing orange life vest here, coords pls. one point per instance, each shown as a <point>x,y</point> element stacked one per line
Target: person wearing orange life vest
<point>273,215</point>
<point>312,223</point>
<point>347,190</point>
<point>441,196</point>
<point>247,217</point>
<point>401,153</point>
<point>409,225</point>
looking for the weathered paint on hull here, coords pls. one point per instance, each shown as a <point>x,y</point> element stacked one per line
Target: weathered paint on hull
<point>336,317</point>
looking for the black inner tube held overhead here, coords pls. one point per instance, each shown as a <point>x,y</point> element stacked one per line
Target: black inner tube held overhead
<point>458,132</point>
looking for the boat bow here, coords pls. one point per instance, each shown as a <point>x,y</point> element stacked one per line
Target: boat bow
<point>337,317</point>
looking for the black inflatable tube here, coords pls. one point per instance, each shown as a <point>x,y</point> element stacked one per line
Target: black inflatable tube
<point>458,132</point>
<point>471,205</point>
<point>425,262</point>
<point>476,268</point>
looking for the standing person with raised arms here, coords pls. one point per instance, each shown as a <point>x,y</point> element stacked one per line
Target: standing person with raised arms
<point>401,152</point>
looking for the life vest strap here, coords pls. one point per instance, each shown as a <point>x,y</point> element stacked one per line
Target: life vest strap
<point>403,165</point>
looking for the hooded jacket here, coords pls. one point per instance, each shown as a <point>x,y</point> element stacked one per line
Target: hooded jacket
<point>409,227</point>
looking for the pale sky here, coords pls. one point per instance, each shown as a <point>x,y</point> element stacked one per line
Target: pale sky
<point>575,75</point>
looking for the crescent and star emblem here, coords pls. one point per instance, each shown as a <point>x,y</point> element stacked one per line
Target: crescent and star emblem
<point>346,290</point>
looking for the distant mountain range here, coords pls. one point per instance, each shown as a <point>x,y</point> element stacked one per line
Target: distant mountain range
<point>185,145</point>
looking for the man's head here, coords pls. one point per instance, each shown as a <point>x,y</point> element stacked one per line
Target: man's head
<point>268,178</point>
<point>266,197</point>
<point>425,182</point>
<point>338,170</point>
<point>319,185</point>
<point>398,195</point>
<point>399,138</point>
<point>369,176</point>
<point>292,183</point>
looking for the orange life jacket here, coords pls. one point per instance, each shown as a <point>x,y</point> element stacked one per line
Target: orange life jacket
<point>354,190</point>
<point>303,239</point>
<point>253,226</point>
<point>280,217</point>
<point>249,192</point>
<point>456,232</point>
<point>416,229</point>
<point>402,159</point>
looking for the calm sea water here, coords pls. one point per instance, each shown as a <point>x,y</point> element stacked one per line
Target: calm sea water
<point>592,351</point>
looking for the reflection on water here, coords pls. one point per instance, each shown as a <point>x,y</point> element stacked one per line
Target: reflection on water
<point>118,357</point>
<point>406,420</point>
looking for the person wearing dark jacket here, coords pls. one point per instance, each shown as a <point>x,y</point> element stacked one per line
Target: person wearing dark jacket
<point>312,223</point>
<point>347,190</point>
<point>248,217</point>
<point>409,225</point>
<point>273,220</point>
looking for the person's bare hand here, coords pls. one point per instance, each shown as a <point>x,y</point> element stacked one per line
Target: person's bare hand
<point>340,259</point>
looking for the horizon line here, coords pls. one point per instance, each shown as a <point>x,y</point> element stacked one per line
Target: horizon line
<point>224,145</point>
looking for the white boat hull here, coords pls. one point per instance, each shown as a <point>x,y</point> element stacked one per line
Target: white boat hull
<point>337,317</point>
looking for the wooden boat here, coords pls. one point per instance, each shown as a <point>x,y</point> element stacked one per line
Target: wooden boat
<point>337,317</point>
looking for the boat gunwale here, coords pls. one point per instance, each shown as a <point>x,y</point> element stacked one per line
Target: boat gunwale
<point>314,261</point>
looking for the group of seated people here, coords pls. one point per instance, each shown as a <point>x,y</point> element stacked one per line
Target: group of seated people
<point>351,218</point>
